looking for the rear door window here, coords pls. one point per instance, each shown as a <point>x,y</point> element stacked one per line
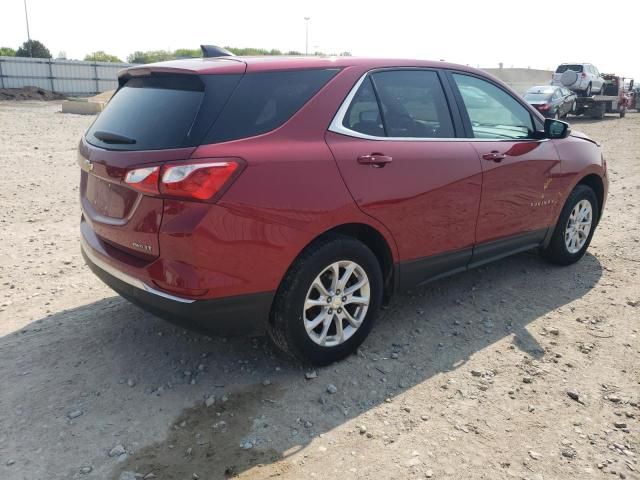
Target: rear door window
<point>161,111</point>
<point>413,104</point>
<point>264,101</point>
<point>363,115</point>
<point>493,113</point>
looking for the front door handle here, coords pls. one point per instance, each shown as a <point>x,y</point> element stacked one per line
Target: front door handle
<point>376,160</point>
<point>494,156</point>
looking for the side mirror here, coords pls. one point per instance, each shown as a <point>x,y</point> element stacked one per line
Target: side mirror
<point>556,129</point>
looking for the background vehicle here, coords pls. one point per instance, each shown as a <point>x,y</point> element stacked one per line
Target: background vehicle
<point>297,194</point>
<point>615,99</point>
<point>579,77</point>
<point>551,101</point>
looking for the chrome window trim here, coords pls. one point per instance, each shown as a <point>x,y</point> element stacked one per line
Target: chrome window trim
<point>336,125</point>
<point>134,282</point>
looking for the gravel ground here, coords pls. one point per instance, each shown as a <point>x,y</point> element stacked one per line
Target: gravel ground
<point>515,370</point>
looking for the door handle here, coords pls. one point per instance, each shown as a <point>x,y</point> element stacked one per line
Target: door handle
<point>376,160</point>
<point>494,156</point>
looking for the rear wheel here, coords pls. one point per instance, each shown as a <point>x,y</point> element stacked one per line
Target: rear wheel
<point>587,92</point>
<point>328,301</point>
<point>575,227</point>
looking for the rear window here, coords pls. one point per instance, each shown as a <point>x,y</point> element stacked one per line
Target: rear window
<point>564,68</point>
<point>161,111</point>
<point>535,97</point>
<point>264,101</point>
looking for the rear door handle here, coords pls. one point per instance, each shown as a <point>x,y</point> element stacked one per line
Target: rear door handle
<point>376,160</point>
<point>494,156</point>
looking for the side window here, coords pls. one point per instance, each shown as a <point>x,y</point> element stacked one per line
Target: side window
<point>263,101</point>
<point>363,115</point>
<point>557,94</point>
<point>413,104</point>
<point>494,114</point>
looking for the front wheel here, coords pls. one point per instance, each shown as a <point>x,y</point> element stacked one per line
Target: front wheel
<point>328,301</point>
<point>575,227</point>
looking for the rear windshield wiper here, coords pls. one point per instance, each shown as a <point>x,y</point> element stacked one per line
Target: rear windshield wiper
<point>111,137</point>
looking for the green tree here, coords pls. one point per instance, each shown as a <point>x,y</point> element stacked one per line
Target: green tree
<point>33,48</point>
<point>101,56</point>
<point>7,52</point>
<point>150,56</point>
<point>188,53</point>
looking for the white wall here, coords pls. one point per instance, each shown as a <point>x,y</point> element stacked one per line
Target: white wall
<point>70,77</point>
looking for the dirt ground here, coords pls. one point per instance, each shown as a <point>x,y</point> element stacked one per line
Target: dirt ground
<point>515,370</point>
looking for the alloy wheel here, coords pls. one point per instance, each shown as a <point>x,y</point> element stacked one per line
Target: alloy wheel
<point>578,226</point>
<point>336,303</point>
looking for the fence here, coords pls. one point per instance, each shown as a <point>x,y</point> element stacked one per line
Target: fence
<point>70,77</point>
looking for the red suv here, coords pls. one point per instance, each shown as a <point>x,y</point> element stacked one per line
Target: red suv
<point>297,194</point>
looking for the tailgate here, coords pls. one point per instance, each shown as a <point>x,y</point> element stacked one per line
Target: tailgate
<point>119,215</point>
<point>153,118</point>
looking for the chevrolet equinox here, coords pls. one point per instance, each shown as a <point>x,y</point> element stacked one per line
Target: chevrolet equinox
<point>237,194</point>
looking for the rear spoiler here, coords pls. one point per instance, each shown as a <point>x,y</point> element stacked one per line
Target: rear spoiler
<point>211,51</point>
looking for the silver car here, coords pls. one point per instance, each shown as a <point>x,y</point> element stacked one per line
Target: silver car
<point>579,77</point>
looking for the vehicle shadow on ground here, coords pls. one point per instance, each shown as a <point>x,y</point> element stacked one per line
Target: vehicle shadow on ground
<point>423,333</point>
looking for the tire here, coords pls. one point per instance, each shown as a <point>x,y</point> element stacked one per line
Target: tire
<point>289,318</point>
<point>558,251</point>
<point>623,112</point>
<point>599,112</point>
<point>588,92</point>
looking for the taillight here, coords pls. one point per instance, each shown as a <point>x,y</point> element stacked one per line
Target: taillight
<point>544,106</point>
<point>198,181</point>
<point>144,180</point>
<point>583,75</point>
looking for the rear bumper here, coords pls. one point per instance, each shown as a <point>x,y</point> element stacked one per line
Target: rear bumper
<point>237,315</point>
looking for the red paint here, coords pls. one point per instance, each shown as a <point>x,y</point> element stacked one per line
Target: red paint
<point>300,180</point>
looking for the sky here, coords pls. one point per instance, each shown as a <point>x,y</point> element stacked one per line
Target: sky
<point>518,33</point>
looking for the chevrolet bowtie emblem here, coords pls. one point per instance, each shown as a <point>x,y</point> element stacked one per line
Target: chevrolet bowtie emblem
<point>88,165</point>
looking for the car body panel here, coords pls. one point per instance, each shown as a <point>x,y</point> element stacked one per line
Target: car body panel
<point>517,192</point>
<point>428,196</point>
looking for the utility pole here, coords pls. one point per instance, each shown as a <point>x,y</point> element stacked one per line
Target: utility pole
<point>306,37</point>
<point>26,16</point>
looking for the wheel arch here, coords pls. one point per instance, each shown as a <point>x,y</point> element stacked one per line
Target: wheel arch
<point>378,244</point>
<point>596,184</point>
<point>374,239</point>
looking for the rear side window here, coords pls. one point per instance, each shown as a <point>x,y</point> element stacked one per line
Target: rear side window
<point>413,104</point>
<point>564,68</point>
<point>363,115</point>
<point>264,101</point>
<point>161,111</point>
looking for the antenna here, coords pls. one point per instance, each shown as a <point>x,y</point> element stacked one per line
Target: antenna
<point>211,51</point>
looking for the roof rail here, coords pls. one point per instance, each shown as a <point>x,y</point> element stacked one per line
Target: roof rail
<point>211,51</point>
